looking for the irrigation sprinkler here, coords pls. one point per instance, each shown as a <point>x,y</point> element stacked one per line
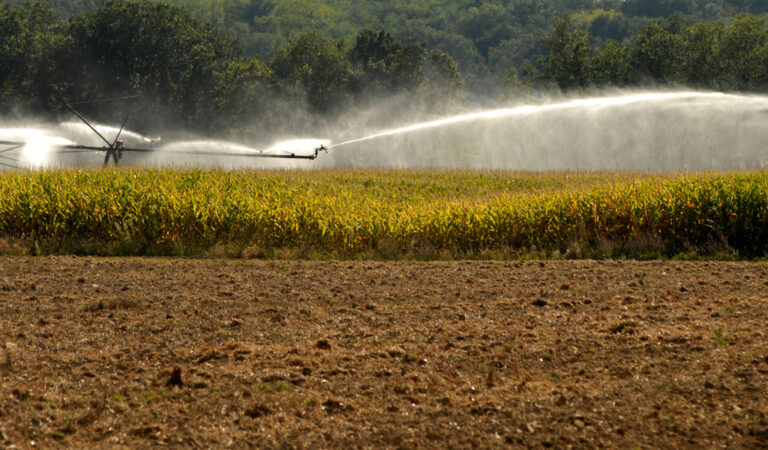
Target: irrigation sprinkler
<point>114,149</point>
<point>7,147</point>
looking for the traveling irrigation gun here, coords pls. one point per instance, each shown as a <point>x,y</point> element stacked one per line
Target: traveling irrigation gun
<point>114,149</point>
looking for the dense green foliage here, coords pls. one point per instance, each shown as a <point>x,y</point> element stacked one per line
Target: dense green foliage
<point>121,48</point>
<point>386,214</point>
<point>721,55</point>
<point>192,74</point>
<point>220,65</point>
<point>484,36</point>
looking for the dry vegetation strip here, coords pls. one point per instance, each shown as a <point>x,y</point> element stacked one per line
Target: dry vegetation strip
<point>142,352</point>
<point>384,214</point>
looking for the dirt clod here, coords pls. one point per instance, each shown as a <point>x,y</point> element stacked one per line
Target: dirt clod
<point>323,344</point>
<point>625,327</point>
<point>257,411</point>
<point>332,406</point>
<point>175,378</point>
<point>151,430</point>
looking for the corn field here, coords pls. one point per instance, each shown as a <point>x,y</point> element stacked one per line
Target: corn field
<point>386,214</point>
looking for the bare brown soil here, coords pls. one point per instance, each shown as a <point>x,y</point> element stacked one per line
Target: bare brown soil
<point>210,353</point>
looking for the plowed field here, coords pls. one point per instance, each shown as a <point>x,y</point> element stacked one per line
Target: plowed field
<point>210,353</point>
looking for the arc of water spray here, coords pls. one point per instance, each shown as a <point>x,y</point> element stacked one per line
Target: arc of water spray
<point>533,109</point>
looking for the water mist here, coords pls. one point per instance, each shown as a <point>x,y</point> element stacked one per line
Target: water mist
<point>657,131</point>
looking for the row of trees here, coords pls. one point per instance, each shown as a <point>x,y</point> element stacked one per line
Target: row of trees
<point>193,73</point>
<point>121,48</point>
<point>715,55</point>
<point>197,76</point>
<point>485,37</point>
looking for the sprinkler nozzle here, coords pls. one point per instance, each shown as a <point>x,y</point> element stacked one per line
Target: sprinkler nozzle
<point>322,148</point>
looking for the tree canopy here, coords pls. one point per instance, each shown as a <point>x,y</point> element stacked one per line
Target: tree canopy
<point>729,55</point>
<point>485,37</point>
<point>206,64</point>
